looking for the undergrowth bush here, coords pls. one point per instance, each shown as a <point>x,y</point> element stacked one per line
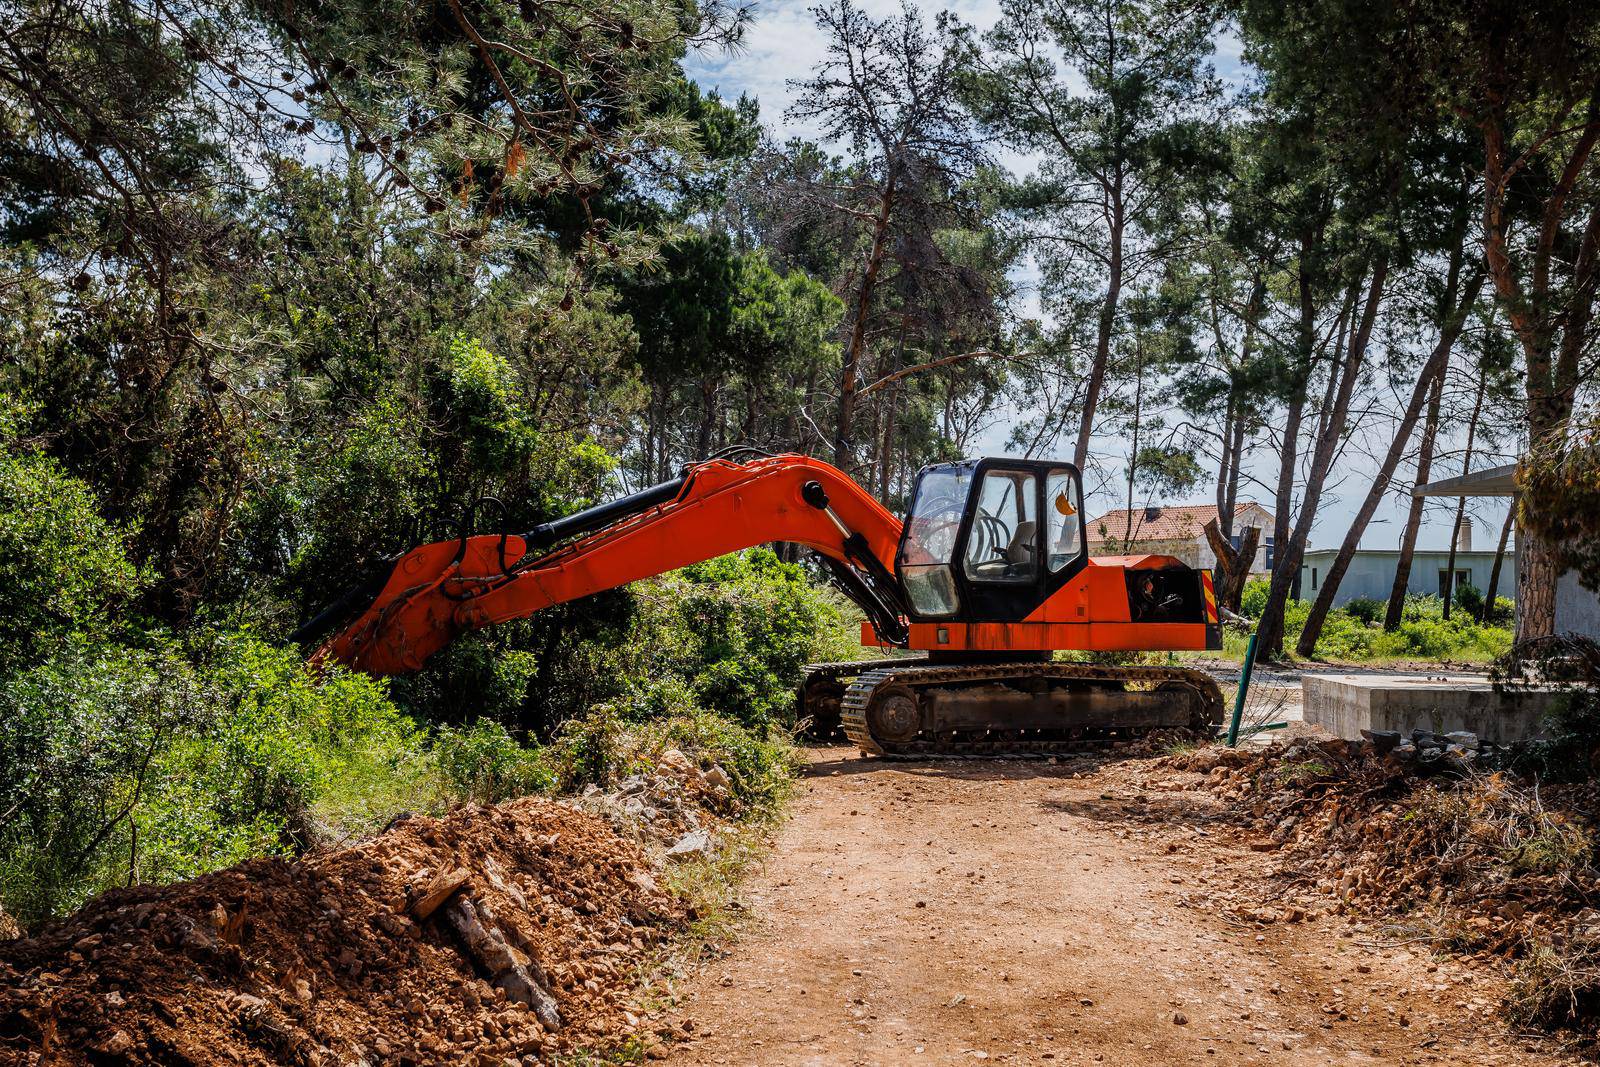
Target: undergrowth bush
<point>120,766</point>
<point>1355,631</point>
<point>482,762</point>
<point>729,635</point>
<point>600,749</point>
<point>131,752</point>
<point>1368,610</point>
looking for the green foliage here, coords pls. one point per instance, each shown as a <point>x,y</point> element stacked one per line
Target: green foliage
<point>1355,631</point>
<point>329,752</point>
<point>600,748</point>
<point>1365,609</point>
<point>760,764</point>
<point>129,765</point>
<point>1469,599</point>
<point>1254,598</point>
<point>80,737</point>
<point>736,631</point>
<point>1164,472</point>
<point>588,749</point>
<point>64,570</point>
<point>481,762</point>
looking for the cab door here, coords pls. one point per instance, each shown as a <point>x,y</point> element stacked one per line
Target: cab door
<point>1002,559</point>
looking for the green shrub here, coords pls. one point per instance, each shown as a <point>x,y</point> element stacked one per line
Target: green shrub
<point>64,570</point>
<point>122,765</point>
<point>1423,633</point>
<point>588,750</point>
<point>481,762</point>
<point>1419,607</point>
<point>600,748</point>
<point>1365,608</point>
<point>1354,631</point>
<point>1253,601</point>
<point>83,738</point>
<point>760,766</point>
<point>729,635</point>
<point>132,754</point>
<point>328,751</point>
<point>1469,598</point>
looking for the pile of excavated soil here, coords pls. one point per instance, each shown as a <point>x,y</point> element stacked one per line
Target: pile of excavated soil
<point>500,935</point>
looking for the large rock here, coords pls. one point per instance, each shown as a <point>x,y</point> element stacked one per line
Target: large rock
<point>692,844</point>
<point>676,763</point>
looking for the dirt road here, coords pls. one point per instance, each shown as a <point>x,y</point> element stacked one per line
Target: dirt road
<point>1028,913</point>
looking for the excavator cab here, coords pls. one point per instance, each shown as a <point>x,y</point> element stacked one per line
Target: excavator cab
<point>990,539</point>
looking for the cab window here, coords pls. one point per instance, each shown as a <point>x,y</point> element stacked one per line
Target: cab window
<point>1003,540</point>
<point>1063,499</point>
<point>931,528</point>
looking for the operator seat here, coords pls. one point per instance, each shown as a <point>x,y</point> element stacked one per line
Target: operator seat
<point>1019,553</point>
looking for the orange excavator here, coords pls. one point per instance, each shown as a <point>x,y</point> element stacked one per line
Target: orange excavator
<point>986,578</point>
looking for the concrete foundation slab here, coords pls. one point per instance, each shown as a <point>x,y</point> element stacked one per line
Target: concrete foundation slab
<point>1346,704</point>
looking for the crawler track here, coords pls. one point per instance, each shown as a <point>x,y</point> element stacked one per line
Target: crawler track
<point>969,710</point>
<point>822,688</point>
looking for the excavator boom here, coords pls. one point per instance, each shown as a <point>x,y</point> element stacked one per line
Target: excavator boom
<point>441,590</point>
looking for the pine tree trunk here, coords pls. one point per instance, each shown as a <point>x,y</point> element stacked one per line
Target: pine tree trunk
<point>1408,540</point>
<point>708,409</point>
<point>1461,502</point>
<point>849,368</point>
<point>1133,452</point>
<point>1224,465</point>
<point>1432,372</point>
<point>1538,571</point>
<point>1102,342</point>
<point>1286,575</point>
<point>1499,560</point>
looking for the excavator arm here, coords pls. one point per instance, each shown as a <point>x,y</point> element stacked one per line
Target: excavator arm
<point>436,592</point>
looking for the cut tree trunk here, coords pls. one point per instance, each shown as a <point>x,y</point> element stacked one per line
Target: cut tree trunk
<point>1287,572</point>
<point>1234,564</point>
<point>508,968</point>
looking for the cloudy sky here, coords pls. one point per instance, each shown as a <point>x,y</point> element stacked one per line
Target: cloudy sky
<point>784,43</point>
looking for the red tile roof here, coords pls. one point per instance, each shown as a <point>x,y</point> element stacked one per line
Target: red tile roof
<point>1159,523</point>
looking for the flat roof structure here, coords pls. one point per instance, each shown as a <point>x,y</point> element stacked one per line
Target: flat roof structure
<point>1491,481</point>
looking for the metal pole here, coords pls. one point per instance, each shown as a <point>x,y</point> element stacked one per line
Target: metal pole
<point>1244,686</point>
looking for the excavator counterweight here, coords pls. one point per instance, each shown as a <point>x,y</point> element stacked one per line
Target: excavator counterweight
<point>987,578</point>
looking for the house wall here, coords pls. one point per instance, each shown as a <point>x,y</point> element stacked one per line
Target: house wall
<point>1185,550</point>
<point>1577,609</point>
<point>1371,574</point>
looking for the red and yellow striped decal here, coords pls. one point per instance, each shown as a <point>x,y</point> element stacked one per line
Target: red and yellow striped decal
<point>1211,597</point>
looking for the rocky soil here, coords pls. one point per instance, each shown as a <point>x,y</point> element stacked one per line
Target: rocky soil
<point>503,935</point>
